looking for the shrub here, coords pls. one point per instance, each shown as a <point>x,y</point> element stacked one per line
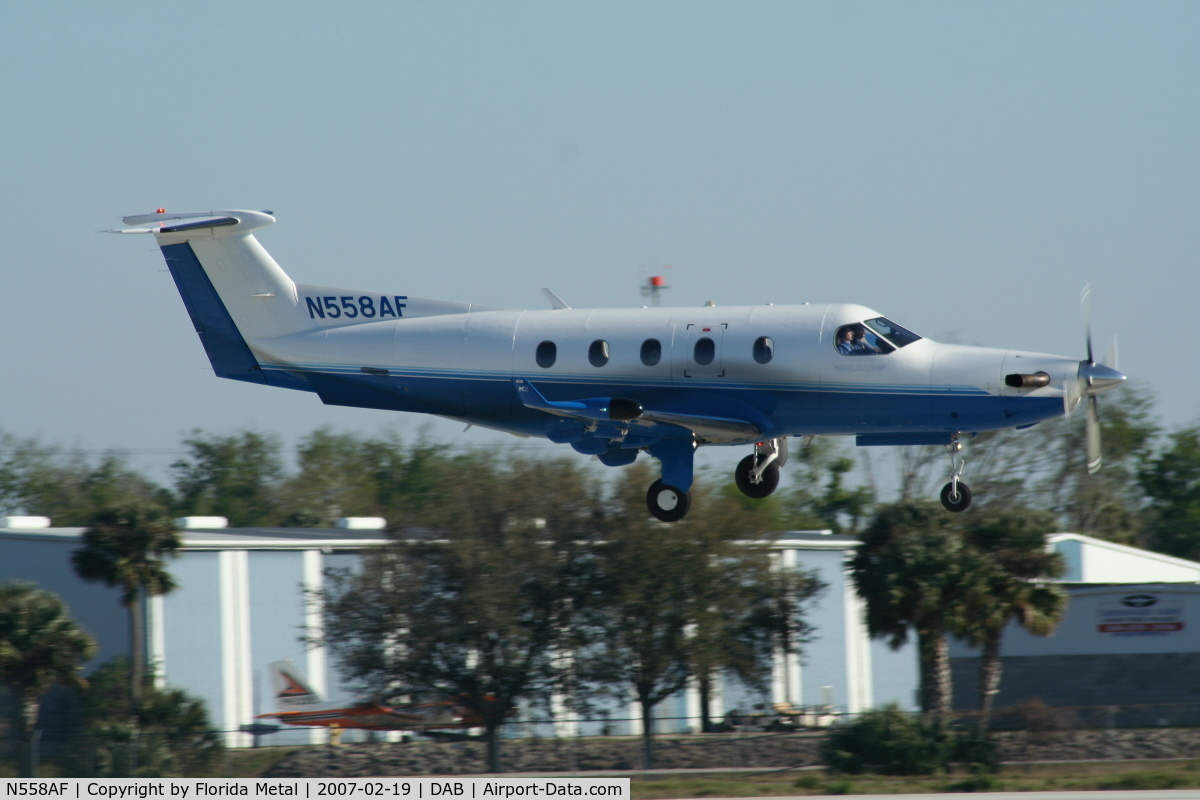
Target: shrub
<point>170,735</point>
<point>890,742</point>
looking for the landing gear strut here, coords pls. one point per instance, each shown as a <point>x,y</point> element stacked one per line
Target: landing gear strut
<point>956,495</point>
<point>757,475</point>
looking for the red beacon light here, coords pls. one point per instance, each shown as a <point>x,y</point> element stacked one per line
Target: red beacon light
<point>658,281</point>
<point>160,211</point>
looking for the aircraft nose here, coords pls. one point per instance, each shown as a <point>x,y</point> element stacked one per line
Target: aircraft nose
<point>1099,378</point>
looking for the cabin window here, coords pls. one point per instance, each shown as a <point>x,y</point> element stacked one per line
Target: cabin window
<point>856,340</point>
<point>651,352</point>
<point>891,331</point>
<point>546,355</point>
<point>705,351</point>
<point>598,353</point>
<point>764,349</point>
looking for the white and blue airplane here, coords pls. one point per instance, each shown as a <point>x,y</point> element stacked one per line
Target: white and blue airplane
<point>613,382</point>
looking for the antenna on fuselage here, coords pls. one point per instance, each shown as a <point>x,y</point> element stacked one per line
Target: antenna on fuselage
<point>653,288</point>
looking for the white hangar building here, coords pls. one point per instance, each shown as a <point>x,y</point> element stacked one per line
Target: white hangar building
<point>241,604</point>
<point>1127,651</point>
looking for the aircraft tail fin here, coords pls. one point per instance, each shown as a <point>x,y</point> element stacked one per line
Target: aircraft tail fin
<point>236,294</point>
<point>291,691</point>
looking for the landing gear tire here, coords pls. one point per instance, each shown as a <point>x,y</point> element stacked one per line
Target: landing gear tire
<point>666,502</point>
<point>745,481</point>
<point>959,501</point>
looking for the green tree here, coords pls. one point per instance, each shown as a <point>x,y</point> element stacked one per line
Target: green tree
<point>672,606</point>
<point>914,573</point>
<point>1015,587</point>
<point>637,637</point>
<point>236,476</point>
<point>1045,467</point>
<point>40,645</point>
<point>1171,481</point>
<point>67,486</point>
<point>126,546</point>
<point>478,613</point>
<point>744,607</point>
<point>820,497</point>
<point>169,735</point>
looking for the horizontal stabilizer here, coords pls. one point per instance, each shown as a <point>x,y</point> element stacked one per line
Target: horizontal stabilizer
<point>237,221</point>
<point>207,222</point>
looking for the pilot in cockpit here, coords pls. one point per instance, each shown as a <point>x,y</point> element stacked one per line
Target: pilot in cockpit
<point>852,341</point>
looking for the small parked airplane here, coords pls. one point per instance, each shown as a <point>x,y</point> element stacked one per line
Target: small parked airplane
<point>297,703</point>
<point>613,382</point>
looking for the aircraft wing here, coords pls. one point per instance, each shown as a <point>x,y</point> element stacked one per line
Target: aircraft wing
<point>619,409</point>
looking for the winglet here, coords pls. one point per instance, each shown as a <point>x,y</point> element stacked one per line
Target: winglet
<point>555,300</point>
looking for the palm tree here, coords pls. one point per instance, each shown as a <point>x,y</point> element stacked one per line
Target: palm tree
<point>914,572</point>
<point>1014,588</point>
<point>126,547</point>
<point>40,645</point>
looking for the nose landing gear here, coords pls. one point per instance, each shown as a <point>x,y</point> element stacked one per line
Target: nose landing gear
<point>757,475</point>
<point>956,495</point>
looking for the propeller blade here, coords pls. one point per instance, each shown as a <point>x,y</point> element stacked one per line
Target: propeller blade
<point>1072,393</point>
<point>1085,301</point>
<point>1093,434</point>
<point>1110,358</point>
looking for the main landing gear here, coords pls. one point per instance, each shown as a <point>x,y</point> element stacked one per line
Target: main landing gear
<point>956,495</point>
<point>757,475</point>
<point>668,498</point>
<point>667,503</point>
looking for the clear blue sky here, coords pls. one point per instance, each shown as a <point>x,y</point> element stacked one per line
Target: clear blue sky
<point>964,168</point>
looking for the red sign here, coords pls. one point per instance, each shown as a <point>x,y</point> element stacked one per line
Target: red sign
<point>1140,627</point>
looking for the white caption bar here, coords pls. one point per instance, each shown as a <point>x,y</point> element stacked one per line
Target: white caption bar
<point>449,787</point>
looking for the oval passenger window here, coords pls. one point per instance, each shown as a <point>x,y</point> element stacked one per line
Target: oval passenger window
<point>547,354</point>
<point>705,351</point>
<point>598,353</point>
<point>651,352</point>
<point>764,349</point>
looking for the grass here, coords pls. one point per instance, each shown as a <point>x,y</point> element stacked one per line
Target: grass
<point>1122,775</point>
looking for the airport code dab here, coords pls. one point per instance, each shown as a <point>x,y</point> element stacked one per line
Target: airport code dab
<point>416,789</point>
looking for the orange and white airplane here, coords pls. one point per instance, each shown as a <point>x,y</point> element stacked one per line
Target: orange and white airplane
<point>298,704</point>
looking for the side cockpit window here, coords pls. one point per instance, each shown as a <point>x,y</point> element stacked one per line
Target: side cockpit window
<point>857,340</point>
<point>875,337</point>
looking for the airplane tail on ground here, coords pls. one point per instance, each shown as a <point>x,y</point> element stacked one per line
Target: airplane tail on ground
<point>291,691</point>
<point>236,294</point>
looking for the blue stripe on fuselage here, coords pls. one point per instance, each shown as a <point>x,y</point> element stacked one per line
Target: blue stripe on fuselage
<point>491,401</point>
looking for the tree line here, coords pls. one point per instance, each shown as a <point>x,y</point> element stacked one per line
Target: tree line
<point>540,582</point>
<point>1147,494</point>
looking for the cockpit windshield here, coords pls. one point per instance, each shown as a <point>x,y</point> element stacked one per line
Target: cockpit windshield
<point>891,331</point>
<point>874,337</point>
